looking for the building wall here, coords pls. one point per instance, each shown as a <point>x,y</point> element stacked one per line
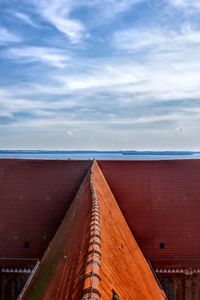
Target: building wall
<point>181,286</point>
<point>13,275</point>
<point>11,285</point>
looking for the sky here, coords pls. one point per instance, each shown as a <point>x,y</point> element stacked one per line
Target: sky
<point>100,74</point>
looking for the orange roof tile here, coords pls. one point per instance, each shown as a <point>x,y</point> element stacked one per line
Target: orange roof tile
<point>93,252</point>
<point>123,266</point>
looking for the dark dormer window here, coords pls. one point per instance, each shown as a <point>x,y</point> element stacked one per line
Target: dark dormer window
<point>115,296</point>
<point>162,245</point>
<point>26,245</point>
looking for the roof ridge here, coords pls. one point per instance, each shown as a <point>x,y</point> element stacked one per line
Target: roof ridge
<point>92,278</point>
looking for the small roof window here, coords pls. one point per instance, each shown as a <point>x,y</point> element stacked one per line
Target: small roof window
<point>26,244</point>
<point>162,245</point>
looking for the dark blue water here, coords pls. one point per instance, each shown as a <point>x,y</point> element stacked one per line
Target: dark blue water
<point>99,155</point>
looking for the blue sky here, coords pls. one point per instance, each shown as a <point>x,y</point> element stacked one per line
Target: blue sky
<point>100,74</point>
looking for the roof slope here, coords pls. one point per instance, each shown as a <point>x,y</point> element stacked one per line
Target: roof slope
<point>123,266</point>
<point>62,267</point>
<point>32,190</point>
<point>160,202</point>
<point>93,252</point>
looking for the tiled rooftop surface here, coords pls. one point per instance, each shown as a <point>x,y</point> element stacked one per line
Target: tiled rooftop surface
<point>59,275</point>
<point>159,201</point>
<point>34,197</point>
<point>161,204</point>
<point>93,252</point>
<point>124,268</point>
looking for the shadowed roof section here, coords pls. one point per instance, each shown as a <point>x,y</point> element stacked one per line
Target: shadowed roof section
<point>93,254</point>
<point>161,204</point>
<point>34,197</point>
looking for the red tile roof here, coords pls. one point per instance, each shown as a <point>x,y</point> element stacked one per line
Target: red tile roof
<point>159,200</point>
<point>60,273</point>
<point>93,252</point>
<point>34,197</point>
<point>123,266</point>
<point>161,204</point>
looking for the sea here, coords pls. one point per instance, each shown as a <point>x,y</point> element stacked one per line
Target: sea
<point>99,155</point>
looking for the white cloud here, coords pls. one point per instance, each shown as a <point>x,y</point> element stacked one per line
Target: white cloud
<point>168,60</point>
<point>111,9</point>
<point>11,102</point>
<point>99,77</point>
<point>167,68</point>
<point>194,4</point>
<point>57,13</point>
<point>7,36</point>
<point>158,77</point>
<point>157,39</point>
<point>69,132</point>
<point>25,18</point>
<point>51,56</point>
<point>146,67</point>
<point>87,114</point>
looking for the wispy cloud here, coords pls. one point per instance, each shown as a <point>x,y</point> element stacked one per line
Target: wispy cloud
<point>47,55</point>
<point>13,103</point>
<point>6,36</point>
<point>110,9</point>
<point>58,14</point>
<point>159,77</point>
<point>25,18</point>
<point>138,39</point>
<point>194,4</point>
<point>116,69</point>
<point>169,69</point>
